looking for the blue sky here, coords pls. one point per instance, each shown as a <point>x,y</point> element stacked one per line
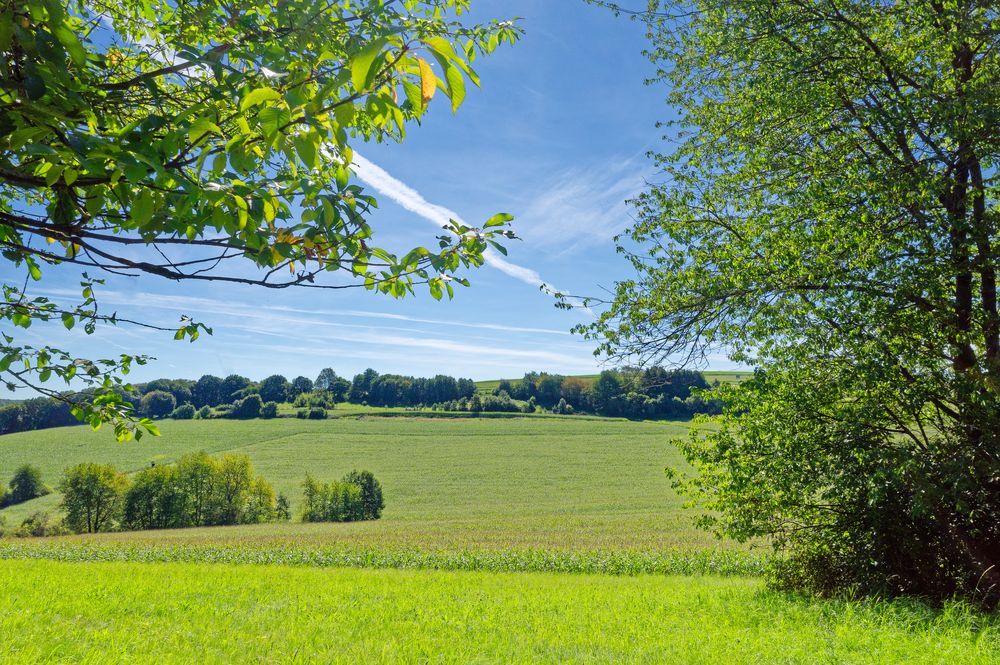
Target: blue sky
<point>556,136</point>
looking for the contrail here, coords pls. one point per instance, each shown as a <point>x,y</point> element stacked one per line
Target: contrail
<point>410,199</point>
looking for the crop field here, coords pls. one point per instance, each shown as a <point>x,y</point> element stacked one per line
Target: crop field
<point>544,539</point>
<point>566,483</point>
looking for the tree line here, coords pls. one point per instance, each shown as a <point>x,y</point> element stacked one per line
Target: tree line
<point>652,393</point>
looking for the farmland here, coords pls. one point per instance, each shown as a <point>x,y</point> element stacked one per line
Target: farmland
<point>546,539</point>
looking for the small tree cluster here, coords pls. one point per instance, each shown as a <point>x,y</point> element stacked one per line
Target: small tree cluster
<point>199,490</point>
<point>357,497</point>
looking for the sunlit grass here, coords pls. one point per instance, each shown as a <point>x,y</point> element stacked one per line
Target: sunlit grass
<point>184,612</point>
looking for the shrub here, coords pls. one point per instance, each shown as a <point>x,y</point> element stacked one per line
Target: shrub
<point>205,412</point>
<point>371,493</point>
<point>248,407</point>
<point>157,404</point>
<point>93,495</point>
<point>183,412</point>
<point>317,413</point>
<point>302,413</point>
<point>25,485</point>
<point>269,410</point>
<point>40,524</point>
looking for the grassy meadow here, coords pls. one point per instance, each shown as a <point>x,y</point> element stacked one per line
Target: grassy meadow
<point>537,539</point>
<point>173,612</point>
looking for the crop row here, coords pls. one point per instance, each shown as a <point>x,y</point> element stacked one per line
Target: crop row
<point>716,562</point>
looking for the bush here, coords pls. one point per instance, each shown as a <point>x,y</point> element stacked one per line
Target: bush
<point>302,413</point>
<point>157,404</point>
<point>93,496</point>
<point>40,524</point>
<point>317,413</point>
<point>248,407</point>
<point>269,410</point>
<point>371,493</point>
<point>205,412</point>
<point>25,485</point>
<point>183,412</point>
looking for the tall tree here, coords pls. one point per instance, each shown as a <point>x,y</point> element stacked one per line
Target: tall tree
<point>829,217</point>
<point>187,140</point>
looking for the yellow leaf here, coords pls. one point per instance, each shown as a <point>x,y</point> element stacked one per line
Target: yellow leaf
<point>428,82</point>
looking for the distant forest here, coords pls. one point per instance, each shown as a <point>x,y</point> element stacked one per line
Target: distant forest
<point>652,393</point>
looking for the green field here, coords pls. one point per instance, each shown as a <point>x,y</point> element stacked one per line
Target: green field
<point>132,612</point>
<point>568,483</point>
<point>503,540</point>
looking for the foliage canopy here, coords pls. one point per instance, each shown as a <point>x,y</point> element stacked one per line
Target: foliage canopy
<point>829,217</point>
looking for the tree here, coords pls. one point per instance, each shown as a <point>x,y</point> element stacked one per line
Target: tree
<point>829,217</point>
<point>93,497</point>
<point>275,388</point>
<point>325,379</point>
<point>155,500</point>
<point>25,485</point>
<point>233,486</point>
<point>196,476</point>
<point>232,388</point>
<point>207,391</point>
<point>300,384</point>
<point>191,141</point>
<point>158,404</point>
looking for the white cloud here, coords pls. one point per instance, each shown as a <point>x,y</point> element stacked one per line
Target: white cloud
<point>580,208</point>
<point>184,304</point>
<point>410,199</point>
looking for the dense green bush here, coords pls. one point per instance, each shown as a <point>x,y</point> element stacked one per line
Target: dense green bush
<point>269,410</point>
<point>246,408</point>
<point>317,413</point>
<point>302,413</point>
<point>183,412</point>
<point>205,412</point>
<point>39,524</point>
<point>25,485</point>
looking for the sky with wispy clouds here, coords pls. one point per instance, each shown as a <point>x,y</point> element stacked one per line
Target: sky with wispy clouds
<point>557,136</point>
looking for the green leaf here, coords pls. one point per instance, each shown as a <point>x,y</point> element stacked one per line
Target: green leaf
<point>306,150</point>
<point>498,220</point>
<point>68,320</point>
<point>456,86</point>
<point>363,67</point>
<point>142,208</point>
<point>66,36</point>
<point>259,96</point>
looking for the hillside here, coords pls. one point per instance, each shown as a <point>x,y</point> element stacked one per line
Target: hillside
<point>526,482</point>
